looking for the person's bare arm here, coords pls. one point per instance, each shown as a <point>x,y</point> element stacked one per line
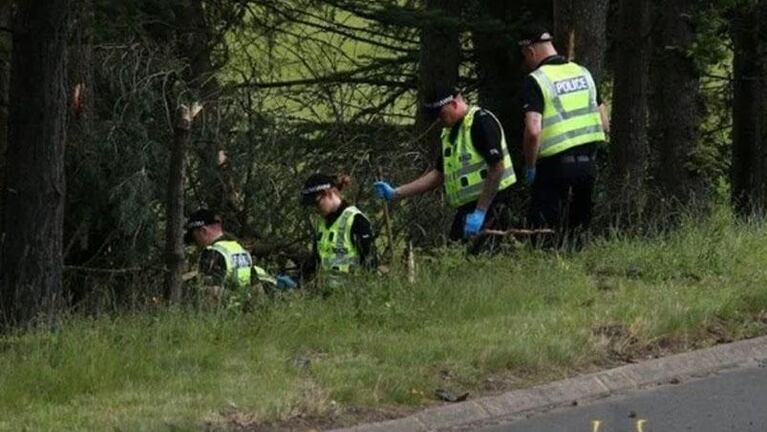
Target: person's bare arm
<point>429,181</point>
<point>490,186</point>
<point>605,118</point>
<point>532,137</point>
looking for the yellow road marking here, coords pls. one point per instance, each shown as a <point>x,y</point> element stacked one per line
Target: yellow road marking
<point>640,424</point>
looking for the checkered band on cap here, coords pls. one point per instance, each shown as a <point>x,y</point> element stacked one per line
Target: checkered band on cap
<point>543,37</point>
<point>316,188</point>
<point>440,103</point>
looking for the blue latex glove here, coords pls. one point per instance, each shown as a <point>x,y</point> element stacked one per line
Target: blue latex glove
<point>383,190</point>
<point>474,222</point>
<point>530,176</point>
<point>285,282</point>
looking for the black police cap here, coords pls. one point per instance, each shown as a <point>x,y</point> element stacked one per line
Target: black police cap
<point>197,219</point>
<point>439,97</point>
<point>315,184</point>
<point>534,33</point>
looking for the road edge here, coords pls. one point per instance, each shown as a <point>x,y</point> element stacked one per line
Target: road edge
<point>595,385</point>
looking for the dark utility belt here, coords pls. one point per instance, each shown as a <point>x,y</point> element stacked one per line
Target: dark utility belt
<point>574,159</point>
<point>583,153</point>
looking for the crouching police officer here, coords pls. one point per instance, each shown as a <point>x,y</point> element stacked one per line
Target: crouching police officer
<point>223,261</point>
<point>344,239</point>
<point>474,166</point>
<point>565,120</point>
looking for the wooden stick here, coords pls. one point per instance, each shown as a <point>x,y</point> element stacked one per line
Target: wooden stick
<point>387,220</point>
<point>410,263</point>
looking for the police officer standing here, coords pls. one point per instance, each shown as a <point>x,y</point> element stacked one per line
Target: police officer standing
<point>564,122</point>
<point>474,166</point>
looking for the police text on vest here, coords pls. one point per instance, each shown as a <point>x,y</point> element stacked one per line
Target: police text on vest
<point>571,85</point>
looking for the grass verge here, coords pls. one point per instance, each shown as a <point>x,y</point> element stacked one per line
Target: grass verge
<point>382,347</point>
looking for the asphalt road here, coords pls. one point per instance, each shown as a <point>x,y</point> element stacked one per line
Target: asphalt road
<point>734,400</point>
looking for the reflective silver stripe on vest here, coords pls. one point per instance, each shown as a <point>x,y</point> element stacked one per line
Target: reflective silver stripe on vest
<point>341,261</point>
<point>340,239</point>
<point>558,118</point>
<point>465,153</point>
<point>561,114</point>
<point>552,141</point>
<point>477,188</point>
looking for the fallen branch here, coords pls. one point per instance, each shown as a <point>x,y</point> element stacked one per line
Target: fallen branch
<point>189,275</point>
<point>516,232</point>
<point>104,270</point>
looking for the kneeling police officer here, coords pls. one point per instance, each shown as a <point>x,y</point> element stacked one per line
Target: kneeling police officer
<point>344,239</point>
<point>223,261</point>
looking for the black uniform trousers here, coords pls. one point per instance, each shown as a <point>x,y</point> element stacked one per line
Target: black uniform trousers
<point>498,218</point>
<point>562,190</point>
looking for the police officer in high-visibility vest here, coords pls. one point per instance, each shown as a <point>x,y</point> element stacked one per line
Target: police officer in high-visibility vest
<point>474,166</point>
<point>223,261</point>
<point>564,120</point>
<point>344,238</point>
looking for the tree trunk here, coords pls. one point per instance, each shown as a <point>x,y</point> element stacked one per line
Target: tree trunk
<point>174,231</point>
<point>500,68</point>
<point>580,32</point>
<point>6,42</point>
<point>31,290</point>
<point>674,106</point>
<point>749,131</point>
<point>81,69</point>
<point>440,56</point>
<point>81,104</point>
<point>628,146</point>
<point>195,46</point>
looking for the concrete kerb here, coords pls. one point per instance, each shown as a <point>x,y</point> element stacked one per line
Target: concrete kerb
<point>591,386</point>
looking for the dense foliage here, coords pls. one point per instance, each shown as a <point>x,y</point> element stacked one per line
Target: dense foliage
<point>291,87</point>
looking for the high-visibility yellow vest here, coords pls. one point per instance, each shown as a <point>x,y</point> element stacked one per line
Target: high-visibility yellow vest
<point>337,252</point>
<point>571,114</point>
<point>464,167</point>
<point>238,261</point>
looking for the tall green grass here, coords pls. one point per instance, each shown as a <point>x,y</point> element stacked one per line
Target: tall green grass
<point>530,317</point>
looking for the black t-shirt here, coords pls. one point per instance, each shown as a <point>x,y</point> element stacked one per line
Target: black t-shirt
<point>362,236</point>
<point>532,95</point>
<point>485,136</point>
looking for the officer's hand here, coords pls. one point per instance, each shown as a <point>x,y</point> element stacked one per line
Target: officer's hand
<point>383,190</point>
<point>530,176</point>
<point>474,222</point>
<point>285,282</point>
